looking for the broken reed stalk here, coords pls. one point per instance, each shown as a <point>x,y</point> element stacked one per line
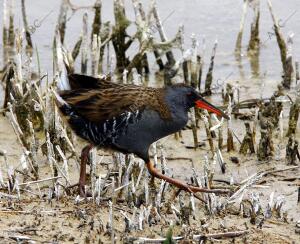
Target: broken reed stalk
<point>265,149</point>
<point>62,19</point>
<point>65,164</point>
<point>84,46</point>
<point>185,68</point>
<point>162,34</point>
<point>194,80</point>
<point>194,85</point>
<point>144,62</point>
<point>297,72</point>
<point>11,29</point>
<point>19,47</point>
<point>209,76</point>
<point>33,148</point>
<point>97,23</point>
<point>93,176</point>
<point>119,39</point>
<point>27,31</point>
<point>147,42</point>
<point>199,66</point>
<point>293,117</point>
<point>280,40</point>
<point>201,63</point>
<point>194,127</point>
<point>255,123</point>
<point>96,47</point>
<point>220,138</point>
<point>238,44</point>
<point>158,59</point>
<point>8,79</point>
<point>38,61</point>
<point>288,68</point>
<point>254,35</point>
<point>5,29</point>
<point>231,234</point>
<point>208,134</point>
<point>76,48</point>
<point>220,130</point>
<point>230,143</point>
<point>220,159</point>
<point>21,138</point>
<point>247,143</point>
<point>212,132</point>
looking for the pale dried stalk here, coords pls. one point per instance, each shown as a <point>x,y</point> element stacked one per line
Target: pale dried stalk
<point>208,134</point>
<point>279,36</point>
<point>33,146</point>
<point>50,155</point>
<point>84,45</point>
<point>159,194</point>
<point>11,29</point>
<point>225,235</point>
<point>62,19</point>
<point>27,30</point>
<point>5,28</point>
<point>238,44</point>
<point>98,191</point>
<point>141,218</point>
<point>96,48</point>
<point>230,143</point>
<point>142,166</point>
<point>161,31</point>
<point>146,187</point>
<point>127,173</point>
<point>40,181</point>
<point>246,184</point>
<point>194,84</point>
<point>65,163</point>
<point>19,133</point>
<point>19,45</point>
<point>297,72</point>
<point>209,76</point>
<point>154,148</point>
<point>93,160</point>
<point>221,161</point>
<point>288,69</point>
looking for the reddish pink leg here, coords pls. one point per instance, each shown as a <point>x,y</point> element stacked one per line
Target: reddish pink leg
<point>181,185</point>
<point>82,178</point>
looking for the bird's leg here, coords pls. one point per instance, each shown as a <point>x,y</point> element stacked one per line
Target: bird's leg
<point>82,178</point>
<point>182,185</point>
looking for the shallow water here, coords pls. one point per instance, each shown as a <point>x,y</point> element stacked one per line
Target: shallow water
<point>207,19</point>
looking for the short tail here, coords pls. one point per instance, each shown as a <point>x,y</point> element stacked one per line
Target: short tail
<point>65,108</point>
<point>77,122</point>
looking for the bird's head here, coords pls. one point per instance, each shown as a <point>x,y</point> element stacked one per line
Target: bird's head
<point>189,97</point>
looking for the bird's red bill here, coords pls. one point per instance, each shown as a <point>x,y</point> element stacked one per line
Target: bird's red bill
<point>211,108</point>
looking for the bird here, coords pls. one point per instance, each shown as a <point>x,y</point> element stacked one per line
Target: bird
<point>127,118</point>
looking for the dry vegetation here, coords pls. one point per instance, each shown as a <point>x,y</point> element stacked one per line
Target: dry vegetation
<point>254,157</point>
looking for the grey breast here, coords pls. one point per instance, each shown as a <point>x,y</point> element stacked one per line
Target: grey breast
<point>146,129</point>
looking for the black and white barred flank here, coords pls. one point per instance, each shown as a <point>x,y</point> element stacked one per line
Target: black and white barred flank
<point>103,133</point>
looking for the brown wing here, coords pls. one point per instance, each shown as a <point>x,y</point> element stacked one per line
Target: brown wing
<point>78,81</point>
<point>101,104</point>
